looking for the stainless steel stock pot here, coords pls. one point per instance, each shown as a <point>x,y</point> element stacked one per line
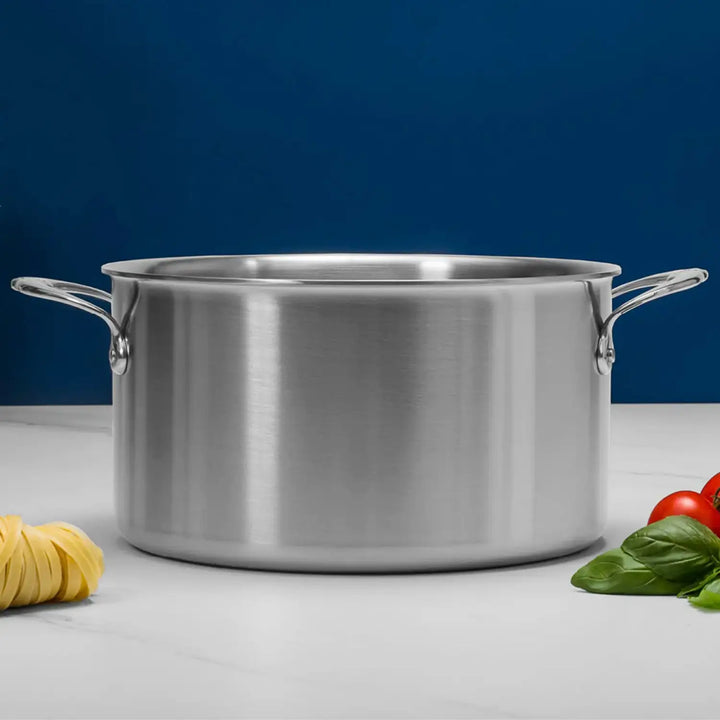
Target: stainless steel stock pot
<point>361,412</point>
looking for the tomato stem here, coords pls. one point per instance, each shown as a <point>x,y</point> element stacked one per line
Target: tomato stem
<point>716,499</point>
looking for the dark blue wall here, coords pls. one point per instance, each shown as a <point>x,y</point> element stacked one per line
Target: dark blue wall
<point>146,128</point>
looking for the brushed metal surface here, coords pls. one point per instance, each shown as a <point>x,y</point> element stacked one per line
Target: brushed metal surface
<point>361,428</point>
<point>361,412</point>
<point>361,268</point>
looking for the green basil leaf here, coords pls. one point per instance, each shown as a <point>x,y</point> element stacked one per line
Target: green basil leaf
<point>617,573</point>
<point>694,589</point>
<point>709,597</point>
<point>677,548</point>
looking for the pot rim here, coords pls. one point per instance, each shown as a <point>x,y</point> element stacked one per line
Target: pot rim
<point>429,269</point>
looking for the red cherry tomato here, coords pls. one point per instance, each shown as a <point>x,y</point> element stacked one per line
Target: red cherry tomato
<point>711,491</point>
<point>692,504</point>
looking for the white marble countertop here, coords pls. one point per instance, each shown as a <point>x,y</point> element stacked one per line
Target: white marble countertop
<point>165,639</point>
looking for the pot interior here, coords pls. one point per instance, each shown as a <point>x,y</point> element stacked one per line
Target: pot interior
<point>349,267</point>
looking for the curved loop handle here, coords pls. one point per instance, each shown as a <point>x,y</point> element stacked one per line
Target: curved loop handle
<point>662,284</point>
<point>66,292</point>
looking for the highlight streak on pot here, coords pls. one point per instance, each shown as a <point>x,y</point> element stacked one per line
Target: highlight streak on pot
<point>521,458</point>
<point>511,418</point>
<point>496,410</point>
<point>263,417</point>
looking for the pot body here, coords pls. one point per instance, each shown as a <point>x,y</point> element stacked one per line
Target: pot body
<point>369,428</point>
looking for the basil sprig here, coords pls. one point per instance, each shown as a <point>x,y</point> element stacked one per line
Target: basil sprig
<point>709,596</point>
<point>675,556</point>
<point>615,572</point>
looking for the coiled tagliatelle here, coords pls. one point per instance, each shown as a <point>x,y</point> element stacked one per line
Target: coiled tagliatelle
<point>56,562</point>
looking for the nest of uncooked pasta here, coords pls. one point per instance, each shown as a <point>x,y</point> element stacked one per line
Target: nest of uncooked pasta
<point>56,562</point>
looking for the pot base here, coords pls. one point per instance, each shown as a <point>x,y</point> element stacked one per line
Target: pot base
<point>346,560</point>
